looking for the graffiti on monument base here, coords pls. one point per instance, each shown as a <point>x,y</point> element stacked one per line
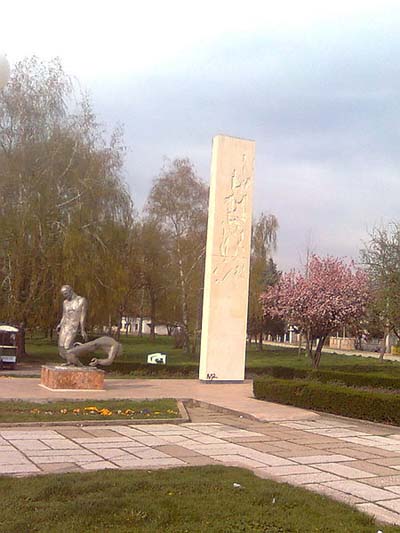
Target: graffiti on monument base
<point>212,376</point>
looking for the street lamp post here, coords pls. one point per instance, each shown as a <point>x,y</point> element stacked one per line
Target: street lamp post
<point>4,71</point>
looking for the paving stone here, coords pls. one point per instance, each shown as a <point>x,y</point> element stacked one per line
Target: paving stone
<point>265,458</point>
<point>129,431</point>
<point>99,465</point>
<point>238,460</point>
<point>274,471</point>
<point>311,440</point>
<point>63,459</point>
<point>61,444</point>
<point>153,463</point>
<point>178,451</point>
<point>393,488</point>
<point>63,453</point>
<point>386,461</point>
<point>177,439</point>
<point>378,452</point>
<point>361,490</point>
<point>383,481</point>
<point>163,427</point>
<point>18,468</point>
<point>182,432</point>
<point>149,453</point>
<point>268,448</point>
<point>337,432</point>
<point>368,442</point>
<point>30,435</point>
<point>100,432</point>
<point>114,453</point>
<point>392,505</point>
<point>378,470</point>
<point>200,460</point>
<point>31,445</point>
<point>207,439</point>
<point>285,445</point>
<point>213,449</point>
<point>394,436</point>
<point>335,494</point>
<point>104,440</point>
<point>7,449</point>
<point>127,462</point>
<point>72,433</point>
<point>345,471</point>
<point>150,440</point>
<point>354,452</point>
<point>12,458</point>
<point>316,459</point>
<point>379,513</point>
<point>303,479</point>
<point>59,468</point>
<point>109,445</point>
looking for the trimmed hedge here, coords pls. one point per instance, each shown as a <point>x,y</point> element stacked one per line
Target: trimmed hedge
<point>350,379</point>
<point>366,405</point>
<point>144,369</point>
<point>325,376</point>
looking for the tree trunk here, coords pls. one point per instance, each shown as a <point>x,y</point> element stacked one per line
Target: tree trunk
<point>299,346</point>
<point>309,343</point>
<point>383,345</point>
<point>260,342</point>
<point>152,317</point>
<point>316,359</point>
<point>186,341</point>
<point>140,330</point>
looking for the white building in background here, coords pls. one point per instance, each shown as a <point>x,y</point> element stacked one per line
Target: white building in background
<point>131,325</point>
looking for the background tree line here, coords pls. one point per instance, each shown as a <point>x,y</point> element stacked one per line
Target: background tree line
<point>66,216</point>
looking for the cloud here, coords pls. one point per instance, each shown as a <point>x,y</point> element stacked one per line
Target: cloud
<point>315,85</point>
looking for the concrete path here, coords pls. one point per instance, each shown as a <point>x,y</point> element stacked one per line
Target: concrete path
<point>350,460</point>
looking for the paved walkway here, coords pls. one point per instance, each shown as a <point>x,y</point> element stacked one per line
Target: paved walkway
<point>359,353</point>
<point>353,461</point>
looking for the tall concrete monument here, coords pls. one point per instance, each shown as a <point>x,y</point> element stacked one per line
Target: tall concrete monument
<point>226,282</point>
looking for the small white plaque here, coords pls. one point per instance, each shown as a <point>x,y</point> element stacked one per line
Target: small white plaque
<point>157,359</point>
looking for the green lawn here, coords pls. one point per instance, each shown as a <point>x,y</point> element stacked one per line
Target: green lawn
<point>185,500</point>
<point>136,349</point>
<point>82,411</point>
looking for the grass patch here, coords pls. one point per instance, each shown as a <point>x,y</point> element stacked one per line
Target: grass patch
<point>82,411</point>
<point>185,500</point>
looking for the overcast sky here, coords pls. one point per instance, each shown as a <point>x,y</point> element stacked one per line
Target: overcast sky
<point>317,86</point>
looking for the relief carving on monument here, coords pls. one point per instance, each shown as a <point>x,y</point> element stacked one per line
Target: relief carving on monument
<point>234,224</point>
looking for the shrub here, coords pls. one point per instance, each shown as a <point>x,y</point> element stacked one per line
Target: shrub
<point>376,406</point>
<point>351,379</point>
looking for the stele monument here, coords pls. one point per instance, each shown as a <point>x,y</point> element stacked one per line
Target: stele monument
<point>226,281</point>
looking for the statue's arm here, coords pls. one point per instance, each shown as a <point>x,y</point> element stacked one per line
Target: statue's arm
<point>82,321</point>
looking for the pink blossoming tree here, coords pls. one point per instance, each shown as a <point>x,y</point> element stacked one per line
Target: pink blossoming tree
<point>329,295</point>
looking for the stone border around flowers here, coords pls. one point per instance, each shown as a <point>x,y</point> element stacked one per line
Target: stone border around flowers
<point>181,419</point>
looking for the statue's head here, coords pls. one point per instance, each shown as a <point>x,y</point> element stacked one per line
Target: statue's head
<point>67,292</point>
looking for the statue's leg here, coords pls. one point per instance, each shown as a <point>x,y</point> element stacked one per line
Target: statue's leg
<point>72,359</point>
<point>67,351</point>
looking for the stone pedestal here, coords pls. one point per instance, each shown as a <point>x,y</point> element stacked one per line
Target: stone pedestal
<point>226,280</point>
<point>72,378</point>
